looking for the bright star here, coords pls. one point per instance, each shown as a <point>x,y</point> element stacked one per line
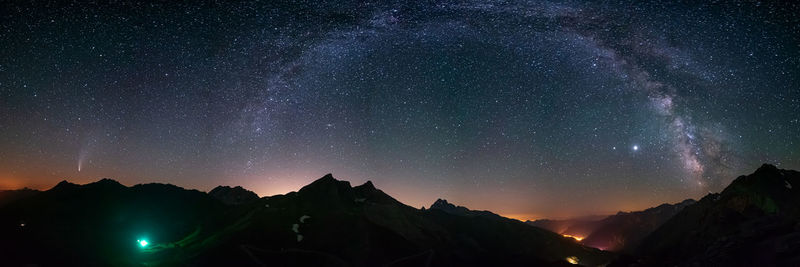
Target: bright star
<point>635,148</point>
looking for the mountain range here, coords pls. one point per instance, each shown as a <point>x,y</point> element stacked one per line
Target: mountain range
<point>326,223</point>
<point>753,222</point>
<point>621,232</point>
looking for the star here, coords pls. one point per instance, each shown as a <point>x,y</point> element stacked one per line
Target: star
<point>401,97</point>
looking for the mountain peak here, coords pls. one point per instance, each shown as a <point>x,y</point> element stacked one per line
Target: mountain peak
<point>332,193</point>
<point>325,181</point>
<point>328,191</point>
<point>107,181</point>
<point>442,204</point>
<point>754,213</point>
<point>327,177</point>
<point>368,185</point>
<point>767,168</point>
<point>768,189</point>
<point>64,184</point>
<point>766,176</point>
<point>233,195</point>
<point>368,192</point>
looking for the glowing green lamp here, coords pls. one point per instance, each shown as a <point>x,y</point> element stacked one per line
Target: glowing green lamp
<point>142,242</point>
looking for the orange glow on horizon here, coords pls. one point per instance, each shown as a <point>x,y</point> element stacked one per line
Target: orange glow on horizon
<point>12,183</point>
<point>520,216</point>
<point>8,184</point>
<point>579,238</point>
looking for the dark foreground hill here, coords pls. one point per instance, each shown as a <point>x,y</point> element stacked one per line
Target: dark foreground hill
<point>10,196</point>
<point>326,223</point>
<point>233,195</point>
<point>755,221</point>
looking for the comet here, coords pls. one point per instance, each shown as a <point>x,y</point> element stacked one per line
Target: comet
<point>82,154</point>
<point>84,150</point>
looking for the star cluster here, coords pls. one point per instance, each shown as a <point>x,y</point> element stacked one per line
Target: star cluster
<point>530,109</point>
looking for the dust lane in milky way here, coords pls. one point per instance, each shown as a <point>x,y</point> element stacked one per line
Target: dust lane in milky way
<point>536,109</point>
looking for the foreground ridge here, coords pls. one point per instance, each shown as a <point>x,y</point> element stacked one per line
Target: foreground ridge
<point>327,222</point>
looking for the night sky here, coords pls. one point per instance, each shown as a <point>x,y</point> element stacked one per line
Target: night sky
<point>531,110</point>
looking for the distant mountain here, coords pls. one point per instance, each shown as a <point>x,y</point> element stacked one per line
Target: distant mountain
<point>579,227</point>
<point>625,230</point>
<point>326,223</point>
<point>443,205</point>
<point>233,195</point>
<point>330,222</point>
<point>620,232</point>
<point>8,196</point>
<point>755,221</point>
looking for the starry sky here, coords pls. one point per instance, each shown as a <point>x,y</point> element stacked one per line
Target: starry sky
<point>528,109</point>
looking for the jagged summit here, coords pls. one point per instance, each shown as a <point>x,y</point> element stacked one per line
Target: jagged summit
<point>768,188</point>
<point>332,193</point>
<point>327,182</point>
<point>756,213</point>
<point>443,205</point>
<point>327,193</point>
<point>325,178</point>
<point>765,173</point>
<point>766,167</point>
<point>367,185</point>
<point>368,192</point>
<point>225,187</point>
<point>233,195</point>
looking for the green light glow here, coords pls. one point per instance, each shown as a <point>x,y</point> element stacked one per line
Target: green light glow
<point>142,242</point>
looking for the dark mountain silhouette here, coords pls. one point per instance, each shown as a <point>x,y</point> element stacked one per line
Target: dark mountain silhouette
<point>326,223</point>
<point>755,221</point>
<point>233,195</point>
<point>443,205</point>
<point>64,185</point>
<point>625,230</point>
<point>9,196</point>
<point>620,232</point>
<point>94,224</point>
<point>330,222</point>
